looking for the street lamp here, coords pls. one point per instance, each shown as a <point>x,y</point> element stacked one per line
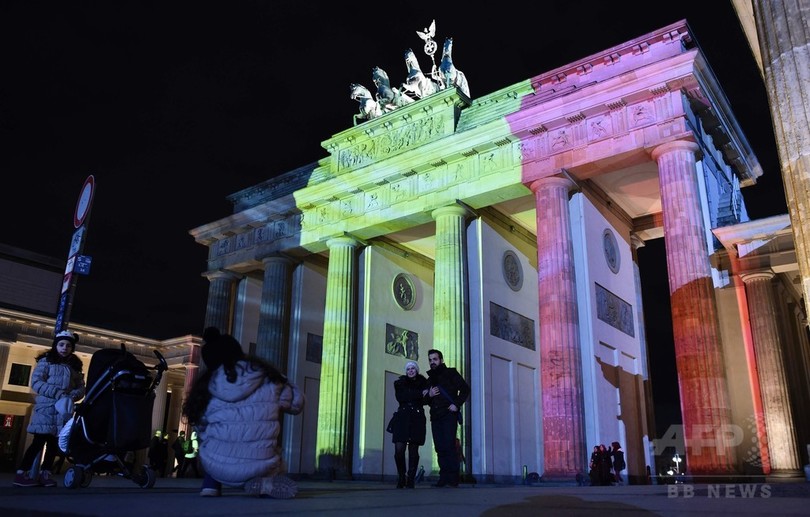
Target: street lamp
<point>676,459</point>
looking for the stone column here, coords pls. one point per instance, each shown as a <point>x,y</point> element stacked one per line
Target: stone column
<point>274,313</point>
<point>635,243</point>
<point>192,365</point>
<point>643,380</point>
<point>159,404</point>
<point>337,367</point>
<point>770,366</point>
<point>698,355</point>
<point>450,323</point>
<point>4,350</point>
<point>560,363</point>
<point>219,310</point>
<point>784,41</point>
<point>449,295</point>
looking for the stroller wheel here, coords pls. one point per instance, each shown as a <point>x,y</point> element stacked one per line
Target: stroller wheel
<point>87,477</point>
<point>73,477</point>
<point>145,478</point>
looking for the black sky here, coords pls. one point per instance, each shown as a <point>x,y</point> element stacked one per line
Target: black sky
<point>172,106</point>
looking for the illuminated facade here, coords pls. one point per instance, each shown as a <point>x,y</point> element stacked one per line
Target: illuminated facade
<point>503,231</point>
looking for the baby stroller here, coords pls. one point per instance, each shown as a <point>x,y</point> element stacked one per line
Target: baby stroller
<point>115,417</point>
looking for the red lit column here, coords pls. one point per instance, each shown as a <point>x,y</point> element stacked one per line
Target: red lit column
<point>784,454</point>
<point>560,362</point>
<point>698,355</point>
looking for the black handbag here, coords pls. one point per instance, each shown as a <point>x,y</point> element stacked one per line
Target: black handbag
<point>390,427</point>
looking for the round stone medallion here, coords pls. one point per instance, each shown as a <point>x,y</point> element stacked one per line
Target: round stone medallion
<point>512,270</point>
<point>611,249</point>
<point>404,291</point>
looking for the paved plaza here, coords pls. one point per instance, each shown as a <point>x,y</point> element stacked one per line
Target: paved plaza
<point>112,496</point>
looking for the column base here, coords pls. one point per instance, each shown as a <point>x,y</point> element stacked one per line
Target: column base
<point>784,474</point>
<point>563,478</point>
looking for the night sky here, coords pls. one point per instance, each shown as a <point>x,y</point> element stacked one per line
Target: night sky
<point>172,106</point>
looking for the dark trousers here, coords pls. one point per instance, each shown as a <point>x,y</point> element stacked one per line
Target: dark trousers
<point>36,446</point>
<point>444,440</point>
<point>189,462</point>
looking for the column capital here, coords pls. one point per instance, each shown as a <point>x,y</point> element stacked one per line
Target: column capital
<point>559,181</point>
<point>342,240</point>
<point>675,145</point>
<point>221,274</point>
<point>636,241</point>
<point>454,209</point>
<point>268,258</point>
<point>762,274</point>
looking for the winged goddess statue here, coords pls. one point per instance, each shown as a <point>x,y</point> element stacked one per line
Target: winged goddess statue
<point>427,37</point>
<point>430,44</point>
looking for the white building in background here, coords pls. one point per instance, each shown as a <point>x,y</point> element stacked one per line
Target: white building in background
<point>29,292</point>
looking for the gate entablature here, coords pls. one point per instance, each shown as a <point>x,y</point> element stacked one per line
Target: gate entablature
<point>408,127</point>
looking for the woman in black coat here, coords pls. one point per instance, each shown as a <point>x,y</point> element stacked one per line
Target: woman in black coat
<point>409,424</point>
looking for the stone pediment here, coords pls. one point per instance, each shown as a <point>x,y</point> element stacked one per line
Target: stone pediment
<point>411,126</point>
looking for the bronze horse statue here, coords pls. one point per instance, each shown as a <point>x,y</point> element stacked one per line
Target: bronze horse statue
<point>369,108</point>
<point>417,83</point>
<point>449,74</point>
<point>388,98</point>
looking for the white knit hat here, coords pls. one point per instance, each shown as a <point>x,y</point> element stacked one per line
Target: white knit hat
<point>409,364</point>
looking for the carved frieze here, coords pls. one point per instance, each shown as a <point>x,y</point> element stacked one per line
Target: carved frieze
<point>399,191</point>
<point>394,141</point>
<point>599,127</point>
<point>642,114</point>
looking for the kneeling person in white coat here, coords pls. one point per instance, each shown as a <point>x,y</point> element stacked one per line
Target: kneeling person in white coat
<point>236,406</point>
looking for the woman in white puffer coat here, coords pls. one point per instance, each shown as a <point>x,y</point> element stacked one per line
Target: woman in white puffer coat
<point>236,407</point>
<point>57,375</point>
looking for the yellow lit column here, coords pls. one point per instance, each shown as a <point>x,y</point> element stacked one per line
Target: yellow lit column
<point>449,296</point>
<point>274,313</point>
<point>219,309</point>
<point>449,300</point>
<point>564,454</point>
<point>337,365</point>
<point>762,314</point>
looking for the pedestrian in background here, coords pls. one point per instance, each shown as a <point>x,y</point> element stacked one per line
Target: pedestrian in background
<point>409,425</point>
<point>58,382</point>
<point>448,391</point>
<point>192,450</point>
<point>604,466</point>
<point>179,449</point>
<point>617,455</point>
<point>158,452</point>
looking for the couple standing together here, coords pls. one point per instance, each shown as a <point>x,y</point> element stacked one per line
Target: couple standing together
<point>445,390</point>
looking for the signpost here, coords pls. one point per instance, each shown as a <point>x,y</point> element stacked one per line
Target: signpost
<point>76,263</point>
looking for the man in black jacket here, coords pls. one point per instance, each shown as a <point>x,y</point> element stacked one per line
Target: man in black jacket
<point>448,391</point>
